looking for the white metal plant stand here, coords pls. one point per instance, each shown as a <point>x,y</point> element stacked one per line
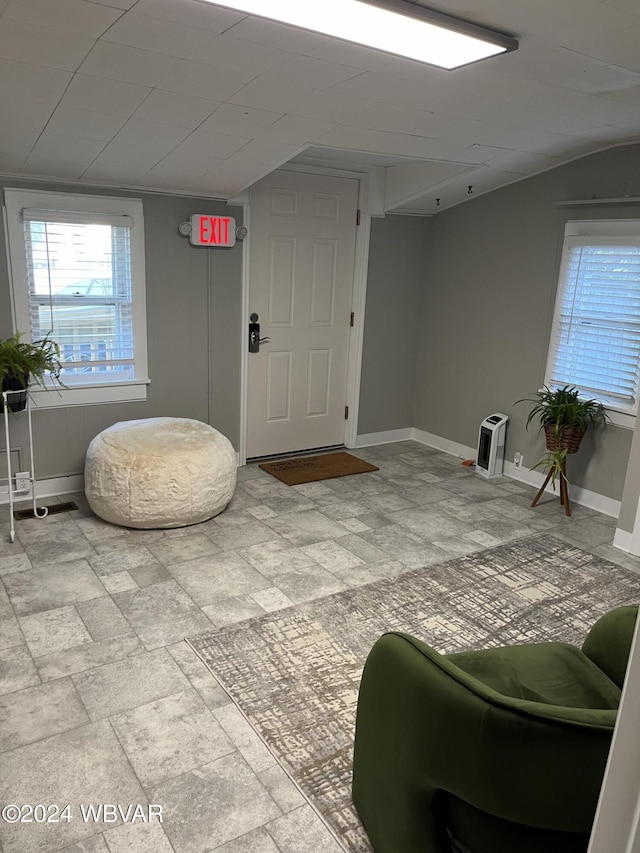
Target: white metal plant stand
<point>38,513</point>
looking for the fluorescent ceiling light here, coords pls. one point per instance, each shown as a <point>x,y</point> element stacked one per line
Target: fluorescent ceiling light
<point>395,26</point>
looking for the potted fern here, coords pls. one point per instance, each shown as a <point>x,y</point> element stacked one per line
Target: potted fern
<point>565,416</point>
<point>22,362</point>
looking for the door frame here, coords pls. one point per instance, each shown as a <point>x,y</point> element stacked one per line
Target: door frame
<point>358,302</point>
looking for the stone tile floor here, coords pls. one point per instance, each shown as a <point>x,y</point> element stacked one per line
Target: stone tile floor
<point>103,702</point>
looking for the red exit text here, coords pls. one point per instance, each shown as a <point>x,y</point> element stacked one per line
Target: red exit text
<point>216,231</point>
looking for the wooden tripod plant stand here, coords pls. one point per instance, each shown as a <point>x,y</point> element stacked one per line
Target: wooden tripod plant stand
<point>561,473</point>
<point>559,443</point>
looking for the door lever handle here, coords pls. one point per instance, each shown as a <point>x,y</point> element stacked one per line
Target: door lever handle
<point>254,335</point>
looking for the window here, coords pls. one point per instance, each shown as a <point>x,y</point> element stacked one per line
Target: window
<point>595,339</point>
<point>77,274</point>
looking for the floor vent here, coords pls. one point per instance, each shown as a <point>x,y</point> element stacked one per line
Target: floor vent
<point>21,514</point>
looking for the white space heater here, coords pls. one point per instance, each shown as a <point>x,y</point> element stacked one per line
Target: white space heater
<point>490,461</point>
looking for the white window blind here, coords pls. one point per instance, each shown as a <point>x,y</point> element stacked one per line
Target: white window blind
<point>595,341</point>
<point>79,273</point>
<point>78,277</point>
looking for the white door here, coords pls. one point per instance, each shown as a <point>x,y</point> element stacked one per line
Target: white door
<point>303,233</point>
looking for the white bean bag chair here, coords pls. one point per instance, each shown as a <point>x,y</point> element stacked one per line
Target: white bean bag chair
<point>159,472</point>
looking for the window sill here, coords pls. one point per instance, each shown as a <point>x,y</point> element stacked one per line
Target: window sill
<point>56,398</point>
<point>622,419</point>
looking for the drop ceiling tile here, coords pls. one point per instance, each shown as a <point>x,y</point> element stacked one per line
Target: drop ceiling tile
<point>173,108</point>
<point>557,99</point>
<point>16,143</point>
<point>12,162</point>
<point>172,184</point>
<point>272,34</point>
<point>205,81</point>
<point>232,178</point>
<point>605,79</point>
<point>33,82</point>
<point>628,6</point>
<point>605,110</point>
<point>69,16</point>
<point>357,56</point>
<point>296,130</point>
<point>461,146</point>
<point>122,163</point>
<point>84,124</point>
<point>197,45</point>
<point>608,135</point>
<point>479,154</point>
<point>368,59</point>
<point>542,120</point>
<point>127,64</point>
<point>245,56</point>
<point>630,60</point>
<point>380,87</point>
<point>117,4</point>
<point>206,143</point>
<point>400,119</point>
<point>201,15</point>
<point>19,114</point>
<point>177,168</point>
<point>333,106</point>
<point>99,94</point>
<point>489,179</point>
<point>162,36</point>
<point>305,71</point>
<point>350,159</point>
<point>264,151</point>
<point>149,134</point>
<point>553,20</point>
<point>626,96</point>
<point>523,162</point>
<point>609,45</point>
<point>264,94</point>
<point>495,134</point>
<point>61,156</point>
<point>240,121</point>
<point>345,136</point>
<point>559,145</point>
<point>42,46</point>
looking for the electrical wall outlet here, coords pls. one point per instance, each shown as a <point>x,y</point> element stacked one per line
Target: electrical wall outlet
<point>23,481</point>
<point>518,459</point>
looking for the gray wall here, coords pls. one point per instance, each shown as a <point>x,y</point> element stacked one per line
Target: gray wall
<point>457,322</point>
<point>631,491</point>
<point>488,307</point>
<point>397,272</point>
<point>193,294</point>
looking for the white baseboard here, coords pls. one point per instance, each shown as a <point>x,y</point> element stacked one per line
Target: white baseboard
<point>387,437</point>
<point>585,497</point>
<point>444,444</point>
<point>622,540</point>
<point>47,488</point>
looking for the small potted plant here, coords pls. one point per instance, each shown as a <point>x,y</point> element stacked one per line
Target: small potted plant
<point>22,362</point>
<point>565,416</point>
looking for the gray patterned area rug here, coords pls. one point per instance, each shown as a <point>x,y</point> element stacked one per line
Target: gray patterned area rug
<point>295,673</point>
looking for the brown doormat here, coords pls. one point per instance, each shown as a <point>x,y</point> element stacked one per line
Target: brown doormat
<point>308,469</point>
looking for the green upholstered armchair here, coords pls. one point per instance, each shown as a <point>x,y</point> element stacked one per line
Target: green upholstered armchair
<point>504,748</point>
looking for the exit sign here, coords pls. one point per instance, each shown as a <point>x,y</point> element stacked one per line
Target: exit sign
<point>216,231</point>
